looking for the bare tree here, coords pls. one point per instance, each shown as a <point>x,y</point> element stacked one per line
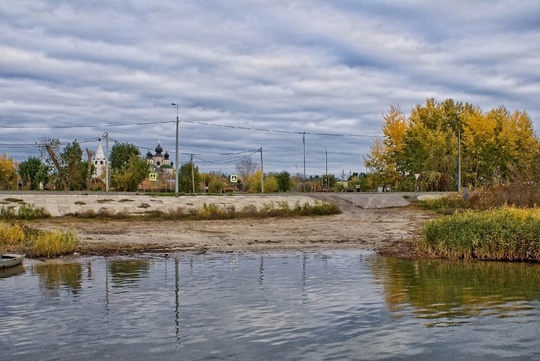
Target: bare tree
<point>50,151</point>
<point>245,168</point>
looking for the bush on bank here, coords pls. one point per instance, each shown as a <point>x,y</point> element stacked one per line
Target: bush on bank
<point>19,238</point>
<point>503,233</point>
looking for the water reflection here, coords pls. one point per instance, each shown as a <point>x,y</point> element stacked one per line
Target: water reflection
<point>287,306</point>
<point>12,271</point>
<point>56,276</point>
<point>128,273</point>
<point>442,290</point>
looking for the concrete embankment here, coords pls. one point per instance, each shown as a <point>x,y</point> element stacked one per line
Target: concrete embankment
<point>61,203</point>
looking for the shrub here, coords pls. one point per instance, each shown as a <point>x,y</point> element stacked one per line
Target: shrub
<point>26,211</point>
<point>29,211</point>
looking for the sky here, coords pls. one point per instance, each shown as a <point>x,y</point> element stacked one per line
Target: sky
<point>302,83</point>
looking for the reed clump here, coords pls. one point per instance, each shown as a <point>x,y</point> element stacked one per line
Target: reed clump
<point>20,238</point>
<point>502,233</point>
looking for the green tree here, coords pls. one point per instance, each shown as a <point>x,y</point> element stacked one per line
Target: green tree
<point>283,182</point>
<point>129,176</point>
<point>32,172</point>
<point>74,169</point>
<point>121,154</point>
<point>215,181</point>
<point>188,178</point>
<point>8,174</point>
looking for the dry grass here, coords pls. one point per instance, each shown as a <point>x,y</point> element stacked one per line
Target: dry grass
<point>19,238</point>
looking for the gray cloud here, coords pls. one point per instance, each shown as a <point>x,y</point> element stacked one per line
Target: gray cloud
<point>251,74</point>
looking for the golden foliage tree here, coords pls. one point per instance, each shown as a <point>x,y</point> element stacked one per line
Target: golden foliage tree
<point>493,147</point>
<point>8,174</point>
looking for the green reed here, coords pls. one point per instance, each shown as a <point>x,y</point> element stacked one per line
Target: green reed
<point>503,233</point>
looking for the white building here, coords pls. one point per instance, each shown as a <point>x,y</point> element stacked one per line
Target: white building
<point>99,162</point>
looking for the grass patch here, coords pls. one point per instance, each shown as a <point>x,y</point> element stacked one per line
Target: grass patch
<point>19,238</point>
<point>25,212</point>
<point>80,203</point>
<point>503,233</point>
<point>444,205</point>
<point>105,200</point>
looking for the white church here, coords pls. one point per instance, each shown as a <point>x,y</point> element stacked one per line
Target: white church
<point>158,161</point>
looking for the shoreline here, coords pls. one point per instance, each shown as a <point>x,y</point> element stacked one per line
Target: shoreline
<point>383,223</point>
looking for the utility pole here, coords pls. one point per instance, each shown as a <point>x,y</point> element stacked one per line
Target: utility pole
<point>304,143</point>
<point>262,171</point>
<point>326,172</point>
<point>192,176</point>
<point>459,158</point>
<point>176,165</point>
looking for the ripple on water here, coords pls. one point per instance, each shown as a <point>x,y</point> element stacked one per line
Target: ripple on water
<point>293,306</point>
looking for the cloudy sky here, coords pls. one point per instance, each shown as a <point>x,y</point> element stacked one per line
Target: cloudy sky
<point>251,74</point>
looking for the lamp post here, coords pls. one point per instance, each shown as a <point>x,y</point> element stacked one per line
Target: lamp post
<point>106,136</point>
<point>176,153</point>
<point>459,157</point>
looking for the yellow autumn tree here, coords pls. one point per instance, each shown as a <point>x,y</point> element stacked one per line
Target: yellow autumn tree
<point>8,173</point>
<point>382,160</point>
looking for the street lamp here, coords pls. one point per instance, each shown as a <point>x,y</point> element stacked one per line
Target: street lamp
<point>176,154</point>
<point>106,136</point>
<point>459,157</point>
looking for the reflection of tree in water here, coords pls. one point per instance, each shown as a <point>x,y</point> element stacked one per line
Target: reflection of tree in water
<point>127,272</point>
<point>52,277</point>
<point>437,289</point>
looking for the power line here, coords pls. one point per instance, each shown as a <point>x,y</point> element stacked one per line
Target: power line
<point>185,121</point>
<point>79,126</point>
<point>279,131</point>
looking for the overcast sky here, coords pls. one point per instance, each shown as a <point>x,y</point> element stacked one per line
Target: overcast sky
<point>254,74</point>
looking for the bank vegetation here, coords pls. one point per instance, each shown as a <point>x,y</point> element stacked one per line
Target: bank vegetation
<point>499,224</point>
<point>18,236</point>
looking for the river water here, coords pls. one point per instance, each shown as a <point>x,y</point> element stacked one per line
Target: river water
<point>336,305</point>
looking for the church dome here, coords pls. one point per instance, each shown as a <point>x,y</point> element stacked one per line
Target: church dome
<point>149,154</point>
<point>159,149</point>
<point>166,155</point>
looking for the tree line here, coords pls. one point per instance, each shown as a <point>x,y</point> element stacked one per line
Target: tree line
<point>65,169</point>
<point>441,143</point>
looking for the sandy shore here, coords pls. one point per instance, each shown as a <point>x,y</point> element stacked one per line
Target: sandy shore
<point>389,230</point>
